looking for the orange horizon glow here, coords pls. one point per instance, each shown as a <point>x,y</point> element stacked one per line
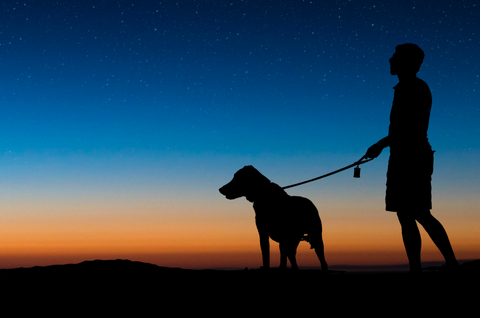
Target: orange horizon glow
<point>212,244</point>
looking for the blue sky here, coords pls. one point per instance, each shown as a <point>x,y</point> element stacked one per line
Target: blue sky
<point>208,76</point>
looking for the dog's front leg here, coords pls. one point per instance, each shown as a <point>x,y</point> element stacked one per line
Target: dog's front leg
<point>265,248</point>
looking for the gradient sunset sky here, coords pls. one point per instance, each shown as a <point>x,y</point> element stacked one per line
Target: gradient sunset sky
<point>121,119</point>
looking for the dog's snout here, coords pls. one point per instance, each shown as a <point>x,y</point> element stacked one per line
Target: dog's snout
<point>222,190</point>
<point>229,191</point>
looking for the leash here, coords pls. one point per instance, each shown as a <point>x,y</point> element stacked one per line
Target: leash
<point>356,173</point>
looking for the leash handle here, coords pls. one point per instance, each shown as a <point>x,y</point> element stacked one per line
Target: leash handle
<point>357,163</point>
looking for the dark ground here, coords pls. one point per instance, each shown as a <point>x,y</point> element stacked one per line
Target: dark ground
<point>110,287</point>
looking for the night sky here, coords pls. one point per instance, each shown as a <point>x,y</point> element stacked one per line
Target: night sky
<point>121,119</point>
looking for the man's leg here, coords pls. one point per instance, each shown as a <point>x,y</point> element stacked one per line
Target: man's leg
<point>411,239</point>
<point>439,236</point>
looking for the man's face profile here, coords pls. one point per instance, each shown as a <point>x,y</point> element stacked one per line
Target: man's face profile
<point>394,64</point>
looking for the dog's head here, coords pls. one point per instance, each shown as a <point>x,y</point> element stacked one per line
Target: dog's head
<point>246,182</point>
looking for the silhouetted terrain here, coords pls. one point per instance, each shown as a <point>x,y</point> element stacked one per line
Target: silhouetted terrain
<point>119,284</point>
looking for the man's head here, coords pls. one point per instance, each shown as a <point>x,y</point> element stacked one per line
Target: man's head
<point>407,59</point>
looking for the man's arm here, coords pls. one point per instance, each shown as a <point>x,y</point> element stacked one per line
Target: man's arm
<point>375,150</point>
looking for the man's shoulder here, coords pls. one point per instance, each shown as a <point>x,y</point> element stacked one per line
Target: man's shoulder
<point>420,83</point>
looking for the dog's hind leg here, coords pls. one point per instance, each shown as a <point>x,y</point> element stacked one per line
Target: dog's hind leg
<point>319,250</point>
<point>288,250</point>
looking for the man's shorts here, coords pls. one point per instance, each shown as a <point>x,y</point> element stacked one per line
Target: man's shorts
<point>409,182</point>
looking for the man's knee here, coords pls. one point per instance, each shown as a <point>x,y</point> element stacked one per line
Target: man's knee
<point>412,215</point>
<point>426,219</point>
<point>405,218</point>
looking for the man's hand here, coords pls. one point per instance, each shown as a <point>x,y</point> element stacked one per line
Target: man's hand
<point>373,152</point>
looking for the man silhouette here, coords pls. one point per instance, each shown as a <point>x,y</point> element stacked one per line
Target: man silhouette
<point>410,165</point>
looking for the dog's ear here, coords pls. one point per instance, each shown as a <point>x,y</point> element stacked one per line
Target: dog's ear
<point>247,169</point>
<point>256,174</point>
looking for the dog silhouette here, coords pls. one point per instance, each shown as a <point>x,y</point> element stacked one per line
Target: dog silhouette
<point>283,218</point>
